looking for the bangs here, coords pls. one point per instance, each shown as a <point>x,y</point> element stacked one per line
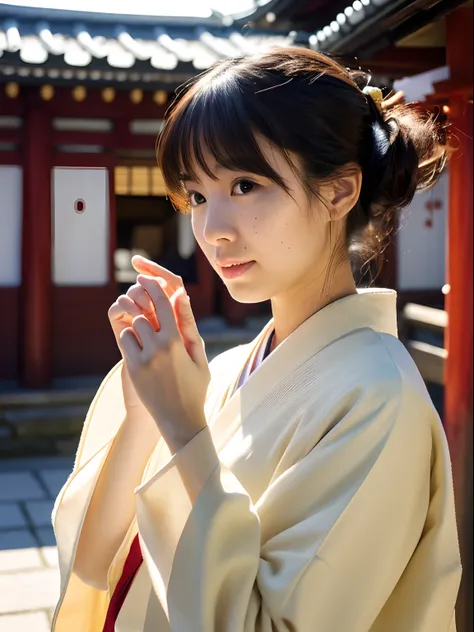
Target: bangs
<point>216,122</point>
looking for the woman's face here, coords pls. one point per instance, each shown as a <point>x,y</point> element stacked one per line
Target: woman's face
<point>243,217</point>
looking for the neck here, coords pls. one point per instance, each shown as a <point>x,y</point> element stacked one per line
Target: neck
<point>290,310</point>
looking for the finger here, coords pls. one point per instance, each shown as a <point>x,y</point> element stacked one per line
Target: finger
<point>186,320</point>
<point>120,308</point>
<point>129,347</point>
<point>167,287</point>
<point>123,310</point>
<point>128,306</point>
<point>162,304</point>
<point>140,297</point>
<point>142,266</point>
<point>189,330</point>
<point>174,300</point>
<point>142,327</point>
<point>147,267</point>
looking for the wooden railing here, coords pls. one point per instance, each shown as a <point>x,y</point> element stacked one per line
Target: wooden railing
<point>429,358</point>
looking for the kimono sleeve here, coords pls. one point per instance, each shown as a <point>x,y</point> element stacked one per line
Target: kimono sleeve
<point>344,523</point>
<point>104,418</point>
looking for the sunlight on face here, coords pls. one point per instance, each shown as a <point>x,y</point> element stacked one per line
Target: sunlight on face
<point>246,217</point>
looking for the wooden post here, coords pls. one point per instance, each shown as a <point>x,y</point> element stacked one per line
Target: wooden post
<point>35,305</point>
<point>458,416</point>
<point>459,374</point>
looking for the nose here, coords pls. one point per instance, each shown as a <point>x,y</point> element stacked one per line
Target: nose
<point>218,225</point>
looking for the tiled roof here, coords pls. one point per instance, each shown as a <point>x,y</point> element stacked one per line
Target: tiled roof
<point>72,51</point>
<point>67,46</point>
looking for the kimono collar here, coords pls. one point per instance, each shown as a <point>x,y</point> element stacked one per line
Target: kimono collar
<point>368,309</point>
<point>372,308</point>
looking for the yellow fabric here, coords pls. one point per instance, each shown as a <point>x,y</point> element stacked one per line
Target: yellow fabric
<point>319,498</point>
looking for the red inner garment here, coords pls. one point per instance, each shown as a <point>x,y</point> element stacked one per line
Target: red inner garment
<point>130,569</point>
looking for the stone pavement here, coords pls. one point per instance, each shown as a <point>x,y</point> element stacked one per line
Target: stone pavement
<point>29,577</point>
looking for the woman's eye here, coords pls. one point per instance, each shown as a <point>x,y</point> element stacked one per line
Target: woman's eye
<point>244,186</point>
<point>195,198</point>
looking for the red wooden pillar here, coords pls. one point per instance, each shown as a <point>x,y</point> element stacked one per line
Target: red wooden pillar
<point>458,417</point>
<point>36,334</point>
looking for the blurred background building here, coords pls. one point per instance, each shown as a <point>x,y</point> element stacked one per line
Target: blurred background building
<point>82,97</point>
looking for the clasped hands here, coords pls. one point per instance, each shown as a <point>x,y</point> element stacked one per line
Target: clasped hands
<point>163,353</point>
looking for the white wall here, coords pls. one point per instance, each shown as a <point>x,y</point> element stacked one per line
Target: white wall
<point>80,240</point>
<point>421,249</point>
<point>418,86</point>
<point>11,213</point>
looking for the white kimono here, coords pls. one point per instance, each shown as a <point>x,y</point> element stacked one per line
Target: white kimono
<point>318,499</point>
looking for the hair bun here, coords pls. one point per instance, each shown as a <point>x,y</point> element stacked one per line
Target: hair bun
<point>413,161</point>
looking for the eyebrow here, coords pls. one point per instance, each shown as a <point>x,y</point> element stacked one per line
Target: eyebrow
<point>186,177</point>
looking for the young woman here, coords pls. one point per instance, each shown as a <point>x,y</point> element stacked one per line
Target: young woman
<point>302,482</point>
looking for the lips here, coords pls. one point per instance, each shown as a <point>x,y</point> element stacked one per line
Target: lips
<point>226,263</point>
<point>235,270</point>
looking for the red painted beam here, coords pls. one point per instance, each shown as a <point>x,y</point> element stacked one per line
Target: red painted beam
<point>459,340</point>
<point>88,161</point>
<point>9,332</point>
<point>404,61</point>
<point>11,107</point>
<point>458,413</point>
<point>458,382</point>
<point>73,137</point>
<point>10,136</point>
<point>36,294</point>
<point>93,106</point>
<point>111,140</point>
<point>10,158</point>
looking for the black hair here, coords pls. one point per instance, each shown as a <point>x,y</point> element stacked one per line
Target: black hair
<point>304,103</point>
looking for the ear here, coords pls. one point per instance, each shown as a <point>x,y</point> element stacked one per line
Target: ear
<point>342,193</point>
